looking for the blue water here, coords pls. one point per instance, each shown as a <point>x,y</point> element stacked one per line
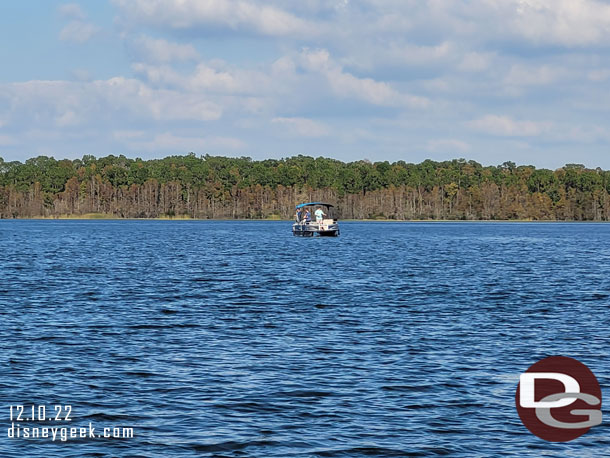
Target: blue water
<point>235,339</point>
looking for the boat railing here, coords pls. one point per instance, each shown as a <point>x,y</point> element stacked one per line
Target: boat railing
<point>324,224</point>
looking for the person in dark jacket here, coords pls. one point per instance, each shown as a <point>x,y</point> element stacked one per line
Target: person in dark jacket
<point>307,215</point>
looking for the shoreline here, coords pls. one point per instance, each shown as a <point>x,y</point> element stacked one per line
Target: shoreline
<point>104,217</point>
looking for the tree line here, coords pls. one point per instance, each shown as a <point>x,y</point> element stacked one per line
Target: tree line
<point>222,187</point>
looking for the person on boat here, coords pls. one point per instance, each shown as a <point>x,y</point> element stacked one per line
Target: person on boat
<point>319,215</point>
<point>307,215</point>
<point>297,216</point>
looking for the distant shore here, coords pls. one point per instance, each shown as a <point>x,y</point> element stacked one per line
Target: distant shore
<point>103,216</point>
<point>227,187</point>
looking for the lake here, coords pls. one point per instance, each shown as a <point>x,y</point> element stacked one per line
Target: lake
<point>236,339</point>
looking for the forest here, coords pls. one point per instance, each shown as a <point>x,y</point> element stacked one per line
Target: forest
<point>192,186</point>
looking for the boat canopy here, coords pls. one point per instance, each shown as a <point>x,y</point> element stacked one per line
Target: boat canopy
<point>308,204</point>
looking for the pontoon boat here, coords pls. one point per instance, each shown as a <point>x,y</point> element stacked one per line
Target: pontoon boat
<point>307,225</point>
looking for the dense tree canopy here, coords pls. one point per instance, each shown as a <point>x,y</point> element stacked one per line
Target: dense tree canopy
<point>222,187</point>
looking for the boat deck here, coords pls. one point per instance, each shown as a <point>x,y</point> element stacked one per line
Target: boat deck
<point>326,228</point>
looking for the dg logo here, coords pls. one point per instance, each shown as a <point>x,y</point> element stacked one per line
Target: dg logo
<point>559,399</point>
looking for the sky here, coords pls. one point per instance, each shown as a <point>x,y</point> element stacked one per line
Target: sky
<point>526,81</point>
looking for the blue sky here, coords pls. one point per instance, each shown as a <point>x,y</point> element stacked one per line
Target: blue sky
<point>489,80</point>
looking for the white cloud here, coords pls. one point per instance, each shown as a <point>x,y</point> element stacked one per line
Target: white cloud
<point>345,84</point>
<point>475,61</point>
<point>284,66</point>
<point>207,77</point>
<point>564,22</point>
<point>370,55</point>
<point>116,100</point>
<point>161,104</point>
<point>505,126</point>
<point>571,23</point>
<point>386,24</point>
<point>230,14</point>
<point>160,50</point>
<point>162,75</point>
<point>212,77</point>
<point>67,118</point>
<point>78,32</point>
<point>417,55</point>
<point>303,127</point>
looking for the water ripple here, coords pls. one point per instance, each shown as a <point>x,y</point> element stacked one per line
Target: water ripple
<point>234,339</point>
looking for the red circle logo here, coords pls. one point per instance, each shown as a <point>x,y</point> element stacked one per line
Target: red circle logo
<point>559,399</point>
